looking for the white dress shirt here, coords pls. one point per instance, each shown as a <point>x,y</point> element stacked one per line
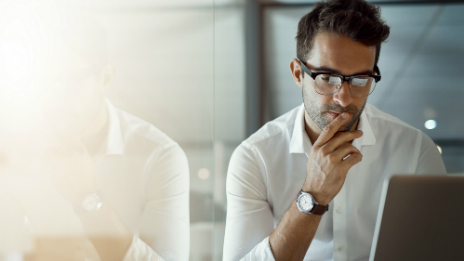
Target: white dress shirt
<point>145,177</point>
<point>142,174</point>
<point>267,171</point>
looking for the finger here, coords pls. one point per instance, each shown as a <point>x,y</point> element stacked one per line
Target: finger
<point>343,151</point>
<point>329,131</point>
<point>339,139</point>
<point>353,159</point>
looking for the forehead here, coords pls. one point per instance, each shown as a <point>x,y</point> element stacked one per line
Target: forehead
<point>64,59</point>
<point>341,53</point>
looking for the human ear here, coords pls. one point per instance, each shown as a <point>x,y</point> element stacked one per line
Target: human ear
<point>107,75</point>
<point>297,73</point>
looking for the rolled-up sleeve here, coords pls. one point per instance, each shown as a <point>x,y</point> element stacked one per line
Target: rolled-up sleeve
<point>139,250</point>
<point>164,231</point>
<point>249,215</point>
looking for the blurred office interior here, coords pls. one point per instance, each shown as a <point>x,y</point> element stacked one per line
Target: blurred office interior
<point>209,73</point>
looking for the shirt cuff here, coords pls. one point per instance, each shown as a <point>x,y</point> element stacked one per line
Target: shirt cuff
<point>140,251</point>
<point>261,251</point>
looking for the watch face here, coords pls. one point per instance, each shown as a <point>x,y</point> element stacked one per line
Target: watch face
<point>91,203</point>
<point>306,202</point>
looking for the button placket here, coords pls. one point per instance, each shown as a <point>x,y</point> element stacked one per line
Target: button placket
<point>339,226</point>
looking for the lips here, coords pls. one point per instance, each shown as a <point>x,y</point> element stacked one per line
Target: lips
<point>333,114</point>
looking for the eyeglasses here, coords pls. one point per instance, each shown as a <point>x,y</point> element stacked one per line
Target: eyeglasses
<point>329,83</point>
<point>77,76</point>
<point>70,79</point>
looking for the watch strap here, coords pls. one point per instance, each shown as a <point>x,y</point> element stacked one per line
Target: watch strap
<point>319,209</point>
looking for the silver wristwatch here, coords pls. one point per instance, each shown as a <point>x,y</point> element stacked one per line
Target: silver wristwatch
<point>307,204</point>
<point>91,202</point>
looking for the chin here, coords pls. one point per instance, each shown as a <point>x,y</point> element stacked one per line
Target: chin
<point>344,128</point>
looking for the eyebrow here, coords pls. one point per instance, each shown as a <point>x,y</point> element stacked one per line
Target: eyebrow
<point>334,71</point>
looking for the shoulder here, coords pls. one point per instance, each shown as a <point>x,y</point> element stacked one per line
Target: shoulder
<point>137,130</point>
<point>396,135</point>
<point>145,142</point>
<point>150,148</point>
<point>381,117</point>
<point>385,124</point>
<point>274,131</point>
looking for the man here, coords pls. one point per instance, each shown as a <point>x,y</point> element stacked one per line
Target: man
<point>102,174</point>
<point>307,185</point>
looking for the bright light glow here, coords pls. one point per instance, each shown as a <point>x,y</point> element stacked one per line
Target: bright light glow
<point>203,173</point>
<point>16,59</point>
<point>439,148</point>
<point>26,221</point>
<point>430,124</point>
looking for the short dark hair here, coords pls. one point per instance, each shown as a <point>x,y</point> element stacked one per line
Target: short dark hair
<point>356,19</point>
<point>83,34</point>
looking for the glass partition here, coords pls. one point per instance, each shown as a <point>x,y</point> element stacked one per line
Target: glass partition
<point>107,130</point>
<point>119,118</point>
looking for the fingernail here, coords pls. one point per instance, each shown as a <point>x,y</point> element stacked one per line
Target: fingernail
<point>360,131</point>
<point>344,115</point>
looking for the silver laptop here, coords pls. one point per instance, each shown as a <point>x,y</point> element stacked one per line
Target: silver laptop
<point>420,218</point>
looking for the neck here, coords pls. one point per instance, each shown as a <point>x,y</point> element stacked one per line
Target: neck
<point>314,131</point>
<point>93,137</point>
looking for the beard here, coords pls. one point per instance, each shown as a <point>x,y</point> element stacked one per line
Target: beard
<point>318,112</point>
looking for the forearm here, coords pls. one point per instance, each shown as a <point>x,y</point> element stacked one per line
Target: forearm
<point>292,237</point>
<point>107,233</point>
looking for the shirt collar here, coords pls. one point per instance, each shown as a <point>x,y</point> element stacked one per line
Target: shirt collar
<point>300,142</point>
<point>115,142</point>
<point>368,137</point>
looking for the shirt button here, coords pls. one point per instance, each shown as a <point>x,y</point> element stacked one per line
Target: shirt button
<point>339,211</point>
<point>339,248</point>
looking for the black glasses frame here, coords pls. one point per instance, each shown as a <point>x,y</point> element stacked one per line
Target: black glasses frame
<point>313,75</point>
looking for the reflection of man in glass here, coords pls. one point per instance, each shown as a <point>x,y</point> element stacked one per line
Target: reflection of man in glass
<point>127,182</point>
<point>307,185</point>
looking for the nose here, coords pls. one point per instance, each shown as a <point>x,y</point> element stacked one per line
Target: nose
<point>343,96</point>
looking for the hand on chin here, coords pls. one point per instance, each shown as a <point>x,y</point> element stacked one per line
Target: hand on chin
<point>71,168</point>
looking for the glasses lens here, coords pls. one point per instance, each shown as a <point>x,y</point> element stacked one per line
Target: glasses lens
<point>327,84</point>
<point>362,86</point>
